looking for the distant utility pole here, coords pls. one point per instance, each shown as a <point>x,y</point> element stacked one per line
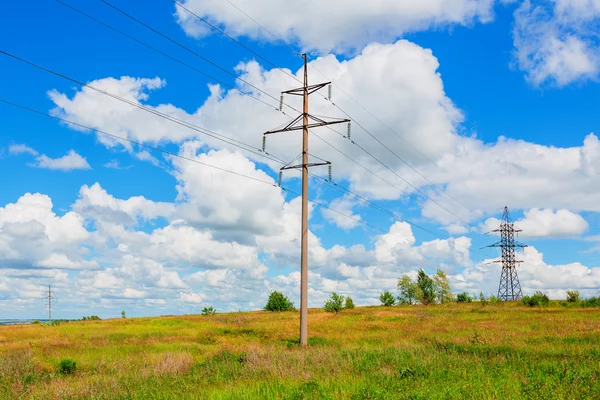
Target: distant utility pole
<point>49,298</point>
<point>304,91</point>
<point>509,288</point>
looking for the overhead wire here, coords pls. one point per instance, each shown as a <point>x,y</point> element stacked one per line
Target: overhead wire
<point>370,113</point>
<point>184,123</point>
<point>242,92</point>
<point>172,154</point>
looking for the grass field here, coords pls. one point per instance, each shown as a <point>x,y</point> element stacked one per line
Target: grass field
<point>413,352</point>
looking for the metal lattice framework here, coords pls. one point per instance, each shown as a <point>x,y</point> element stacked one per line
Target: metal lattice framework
<point>509,288</point>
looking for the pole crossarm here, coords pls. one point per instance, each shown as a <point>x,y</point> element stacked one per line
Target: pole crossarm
<point>318,122</point>
<point>310,89</point>
<point>307,165</point>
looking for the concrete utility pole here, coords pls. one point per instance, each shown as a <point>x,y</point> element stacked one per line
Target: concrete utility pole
<point>304,91</point>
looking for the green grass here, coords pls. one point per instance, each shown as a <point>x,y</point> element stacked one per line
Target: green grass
<point>405,352</point>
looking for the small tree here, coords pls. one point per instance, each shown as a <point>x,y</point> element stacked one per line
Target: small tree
<point>443,292</point>
<point>387,299</point>
<point>464,297</point>
<point>482,299</point>
<point>427,287</point>
<point>349,303</point>
<point>279,302</point>
<point>573,296</point>
<point>123,314</point>
<point>409,290</point>
<point>335,303</point>
<point>209,311</point>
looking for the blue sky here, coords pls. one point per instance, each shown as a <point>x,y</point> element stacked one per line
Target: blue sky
<point>500,98</point>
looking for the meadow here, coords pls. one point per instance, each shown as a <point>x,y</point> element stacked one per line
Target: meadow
<point>457,351</point>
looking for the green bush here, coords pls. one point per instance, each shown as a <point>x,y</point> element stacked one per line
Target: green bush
<point>279,302</point>
<point>591,302</point>
<point>495,300</point>
<point>387,299</point>
<point>573,296</point>
<point>349,304</point>
<point>464,297</point>
<point>538,299</point>
<point>91,318</point>
<point>335,303</point>
<point>482,299</point>
<point>123,314</point>
<point>209,311</point>
<point>67,366</point>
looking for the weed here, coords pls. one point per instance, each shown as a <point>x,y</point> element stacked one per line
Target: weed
<point>67,366</point>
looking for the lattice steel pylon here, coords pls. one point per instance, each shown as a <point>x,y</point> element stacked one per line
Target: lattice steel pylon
<point>509,287</point>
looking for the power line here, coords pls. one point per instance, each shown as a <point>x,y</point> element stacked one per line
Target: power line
<point>164,54</point>
<point>235,40</point>
<point>245,93</point>
<point>363,128</point>
<point>188,49</point>
<point>318,203</point>
<point>172,119</point>
<point>166,152</point>
<point>220,137</point>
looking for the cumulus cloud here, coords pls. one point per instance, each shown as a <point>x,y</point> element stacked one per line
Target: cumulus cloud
<point>333,25</point>
<point>534,274</point>
<point>68,162</point>
<point>16,149</point>
<point>545,223</point>
<point>556,41</point>
<point>343,205</point>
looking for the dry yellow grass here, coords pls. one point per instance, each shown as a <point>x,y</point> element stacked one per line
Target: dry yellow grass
<point>457,351</point>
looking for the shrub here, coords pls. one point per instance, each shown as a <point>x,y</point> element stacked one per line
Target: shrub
<point>123,314</point>
<point>482,299</point>
<point>335,303</point>
<point>67,366</point>
<point>349,304</point>
<point>464,297</point>
<point>387,299</point>
<point>591,302</point>
<point>279,302</point>
<point>495,300</point>
<point>538,299</point>
<point>209,311</point>
<point>91,318</point>
<point>572,296</point>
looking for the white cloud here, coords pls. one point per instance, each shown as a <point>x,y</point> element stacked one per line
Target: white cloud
<point>556,41</point>
<point>546,223</point>
<point>534,274</point>
<point>334,24</point>
<point>16,149</point>
<point>344,205</point>
<point>68,162</point>
<point>95,202</point>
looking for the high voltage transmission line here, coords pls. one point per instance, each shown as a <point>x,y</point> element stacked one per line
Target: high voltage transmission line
<point>269,95</point>
<point>220,137</point>
<point>344,112</point>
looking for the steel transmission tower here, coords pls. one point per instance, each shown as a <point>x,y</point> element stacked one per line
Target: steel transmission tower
<point>509,287</point>
<point>294,125</point>
<point>49,297</point>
